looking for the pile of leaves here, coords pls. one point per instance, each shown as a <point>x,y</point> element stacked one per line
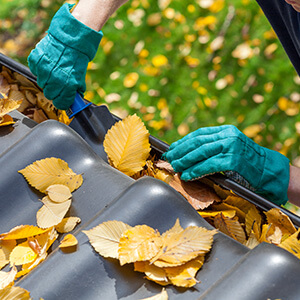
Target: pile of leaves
<point>26,246</point>
<point>171,258</point>
<point>226,211</point>
<point>17,92</point>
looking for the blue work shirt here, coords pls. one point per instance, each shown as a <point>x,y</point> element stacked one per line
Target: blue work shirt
<point>285,21</point>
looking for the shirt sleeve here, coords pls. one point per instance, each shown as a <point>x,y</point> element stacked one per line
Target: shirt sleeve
<point>286,24</point>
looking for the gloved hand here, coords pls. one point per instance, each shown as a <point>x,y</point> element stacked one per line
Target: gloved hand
<point>61,58</point>
<point>224,148</point>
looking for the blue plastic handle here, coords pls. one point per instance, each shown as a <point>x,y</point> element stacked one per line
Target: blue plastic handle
<point>78,105</point>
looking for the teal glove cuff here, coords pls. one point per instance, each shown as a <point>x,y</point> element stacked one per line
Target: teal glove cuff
<point>275,178</point>
<point>71,32</point>
<point>224,148</point>
<point>61,58</point>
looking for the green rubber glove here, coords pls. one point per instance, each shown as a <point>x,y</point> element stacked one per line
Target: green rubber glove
<point>61,58</point>
<point>224,148</point>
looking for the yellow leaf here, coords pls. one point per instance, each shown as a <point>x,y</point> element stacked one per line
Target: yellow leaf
<point>139,243</point>
<point>15,293</point>
<point>281,220</point>
<point>5,249</point>
<point>152,272</point>
<point>67,224</point>
<point>161,296</point>
<point>276,237</point>
<point>184,275</point>
<point>59,193</point>
<point>230,227</point>
<point>211,214</point>
<point>224,206</point>
<point>106,236</point>
<point>51,213</point>
<point>268,230</point>
<point>68,241</point>
<point>253,221</point>
<point>45,172</point>
<point>63,117</point>
<point>7,105</point>
<point>252,241</point>
<point>292,244</point>
<point>6,278</point>
<point>22,254</point>
<point>22,232</point>
<point>239,203</point>
<point>29,267</point>
<point>130,80</point>
<point>127,145</point>
<point>44,241</point>
<point>180,246</point>
<point>6,120</point>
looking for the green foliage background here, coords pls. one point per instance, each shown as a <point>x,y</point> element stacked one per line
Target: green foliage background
<point>259,90</point>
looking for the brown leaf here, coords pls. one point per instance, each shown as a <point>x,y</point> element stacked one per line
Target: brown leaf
<point>230,227</point>
<point>198,195</point>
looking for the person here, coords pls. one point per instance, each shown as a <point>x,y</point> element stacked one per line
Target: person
<point>60,61</point>
<point>61,58</point>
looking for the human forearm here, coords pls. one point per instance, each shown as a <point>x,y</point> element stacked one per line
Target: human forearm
<point>294,186</point>
<point>95,13</point>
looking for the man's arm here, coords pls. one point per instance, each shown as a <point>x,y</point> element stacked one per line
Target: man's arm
<point>95,13</point>
<point>294,186</point>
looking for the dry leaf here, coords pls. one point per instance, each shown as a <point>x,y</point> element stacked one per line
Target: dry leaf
<point>6,120</point>
<point>22,232</point>
<point>211,214</point>
<point>22,254</point>
<point>7,105</point>
<point>59,193</point>
<point>276,237</point>
<point>164,165</point>
<point>253,221</point>
<point>292,244</point>
<point>139,243</point>
<point>239,203</point>
<point>252,241</point>
<point>68,241</point>
<point>67,224</point>
<point>184,275</point>
<point>45,241</point>
<point>224,206</point>
<point>161,296</point>
<point>181,246</point>
<point>230,227</point>
<point>15,293</point>
<point>51,213</point>
<point>7,278</point>
<point>198,194</point>
<point>45,172</point>
<point>5,249</point>
<point>152,272</point>
<point>127,145</point>
<point>106,236</point>
<point>4,86</point>
<point>279,219</point>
